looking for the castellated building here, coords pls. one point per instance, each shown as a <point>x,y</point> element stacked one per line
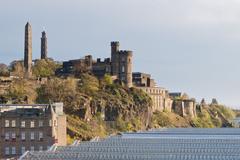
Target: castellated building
<point>119,65</point>
<point>28,51</point>
<point>44,45</point>
<point>31,128</point>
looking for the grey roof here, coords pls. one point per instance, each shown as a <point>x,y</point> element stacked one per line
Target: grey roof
<point>163,144</point>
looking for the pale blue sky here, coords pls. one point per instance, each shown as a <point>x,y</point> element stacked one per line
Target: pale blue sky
<point>187,45</point>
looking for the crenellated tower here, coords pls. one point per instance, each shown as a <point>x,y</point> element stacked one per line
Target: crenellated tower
<point>115,58</point>
<point>125,67</point>
<point>121,64</point>
<point>28,51</point>
<point>44,45</point>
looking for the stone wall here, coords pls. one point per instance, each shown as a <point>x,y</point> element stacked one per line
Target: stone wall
<point>184,107</point>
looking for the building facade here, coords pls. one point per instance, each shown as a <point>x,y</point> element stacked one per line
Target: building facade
<point>31,128</point>
<point>160,99</point>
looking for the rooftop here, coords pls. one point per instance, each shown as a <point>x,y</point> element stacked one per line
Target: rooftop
<point>163,144</point>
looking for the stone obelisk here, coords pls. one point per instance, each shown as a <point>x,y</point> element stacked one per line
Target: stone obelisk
<point>44,45</point>
<point>28,51</point>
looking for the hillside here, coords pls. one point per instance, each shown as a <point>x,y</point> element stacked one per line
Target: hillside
<point>100,107</point>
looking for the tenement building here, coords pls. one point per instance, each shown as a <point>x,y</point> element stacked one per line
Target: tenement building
<point>31,128</point>
<point>160,97</point>
<point>119,65</point>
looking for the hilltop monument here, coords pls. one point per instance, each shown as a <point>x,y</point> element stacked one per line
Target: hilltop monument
<point>28,51</point>
<point>44,45</point>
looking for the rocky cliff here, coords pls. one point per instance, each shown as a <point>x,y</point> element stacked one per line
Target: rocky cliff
<point>100,107</point>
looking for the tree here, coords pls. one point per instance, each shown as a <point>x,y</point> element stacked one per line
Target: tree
<point>22,91</point>
<point>17,68</point>
<point>4,70</point>
<point>44,68</point>
<point>88,84</point>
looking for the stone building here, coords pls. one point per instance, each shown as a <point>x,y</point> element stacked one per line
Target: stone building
<point>183,105</point>
<point>143,79</point>
<point>44,45</point>
<point>100,68</point>
<point>160,98</point>
<point>76,66</point>
<point>119,65</point>
<point>31,127</point>
<point>28,51</point>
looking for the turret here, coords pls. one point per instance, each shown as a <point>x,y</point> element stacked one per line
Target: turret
<point>115,46</point>
<point>125,67</point>
<point>115,57</point>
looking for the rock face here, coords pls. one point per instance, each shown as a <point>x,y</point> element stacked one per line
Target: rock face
<point>184,107</point>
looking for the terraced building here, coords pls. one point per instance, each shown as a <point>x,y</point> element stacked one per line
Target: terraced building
<point>34,127</point>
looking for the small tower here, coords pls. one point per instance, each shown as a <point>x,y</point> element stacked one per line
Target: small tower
<point>28,51</point>
<point>44,45</point>
<point>125,67</point>
<point>115,58</point>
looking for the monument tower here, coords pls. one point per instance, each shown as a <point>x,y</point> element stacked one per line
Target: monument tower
<point>44,45</point>
<point>28,51</point>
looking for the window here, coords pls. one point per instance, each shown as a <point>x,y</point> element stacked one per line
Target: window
<point>6,123</point>
<point>32,124</point>
<point>32,136</point>
<point>40,148</point>
<point>13,123</point>
<point>23,124</point>
<point>23,149</point>
<point>23,136</point>
<point>40,123</point>
<point>123,69</point>
<point>40,136</point>
<point>32,148</point>
<point>13,150</point>
<point>7,151</point>
<point>13,136</point>
<point>7,136</point>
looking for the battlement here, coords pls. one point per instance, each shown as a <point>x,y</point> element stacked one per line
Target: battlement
<point>115,43</point>
<point>106,60</point>
<point>126,52</point>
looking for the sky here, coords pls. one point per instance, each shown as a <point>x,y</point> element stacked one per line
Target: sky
<point>187,46</point>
